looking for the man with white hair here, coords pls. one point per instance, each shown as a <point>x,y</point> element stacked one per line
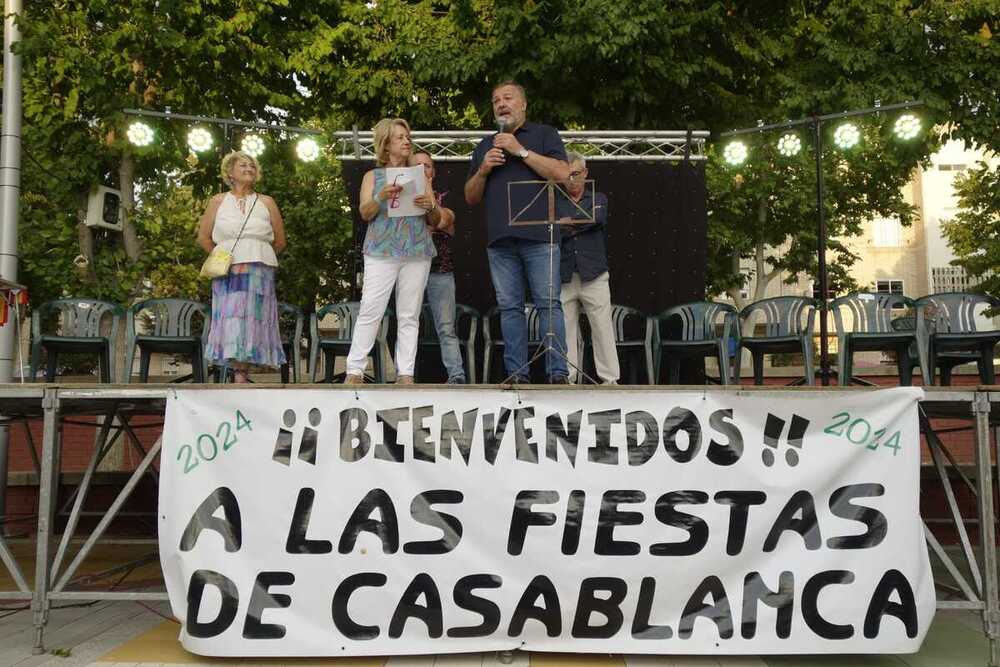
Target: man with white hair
<point>584,273</point>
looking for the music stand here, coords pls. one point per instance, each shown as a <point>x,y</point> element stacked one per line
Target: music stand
<point>530,214</point>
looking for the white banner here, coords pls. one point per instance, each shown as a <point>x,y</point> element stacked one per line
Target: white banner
<point>332,522</point>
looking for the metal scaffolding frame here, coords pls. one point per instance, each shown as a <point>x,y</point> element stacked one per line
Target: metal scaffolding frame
<point>967,583</point>
<point>601,145</point>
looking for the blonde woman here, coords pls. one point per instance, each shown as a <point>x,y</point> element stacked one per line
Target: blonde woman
<point>397,252</point>
<point>244,333</point>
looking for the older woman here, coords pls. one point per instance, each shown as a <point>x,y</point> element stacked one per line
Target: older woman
<point>244,332</point>
<point>398,253</point>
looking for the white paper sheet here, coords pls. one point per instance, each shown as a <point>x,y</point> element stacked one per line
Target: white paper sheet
<point>413,181</point>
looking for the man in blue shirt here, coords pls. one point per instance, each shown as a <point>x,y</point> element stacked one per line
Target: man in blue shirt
<point>520,151</point>
<point>584,271</point>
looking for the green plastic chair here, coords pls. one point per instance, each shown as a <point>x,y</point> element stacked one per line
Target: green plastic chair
<point>914,356</point>
<point>634,333</point>
<point>82,326</point>
<point>691,330</point>
<point>871,330</point>
<point>339,343</point>
<point>787,323</point>
<point>290,324</point>
<point>949,336</point>
<point>168,326</point>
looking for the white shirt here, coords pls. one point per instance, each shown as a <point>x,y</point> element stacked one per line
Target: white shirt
<point>255,243</point>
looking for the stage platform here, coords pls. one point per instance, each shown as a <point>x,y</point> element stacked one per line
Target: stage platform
<point>968,580</point>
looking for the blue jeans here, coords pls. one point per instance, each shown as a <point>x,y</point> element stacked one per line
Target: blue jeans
<point>512,263</point>
<point>441,297</point>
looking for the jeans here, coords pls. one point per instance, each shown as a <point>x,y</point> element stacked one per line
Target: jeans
<point>441,298</point>
<point>512,262</point>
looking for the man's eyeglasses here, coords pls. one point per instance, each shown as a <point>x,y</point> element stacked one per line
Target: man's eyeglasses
<point>575,175</point>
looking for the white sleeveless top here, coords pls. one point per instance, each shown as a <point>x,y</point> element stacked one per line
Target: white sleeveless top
<point>255,244</point>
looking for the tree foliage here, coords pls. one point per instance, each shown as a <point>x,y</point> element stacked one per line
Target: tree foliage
<point>85,62</point>
<point>654,65</point>
<point>644,64</point>
<point>974,232</point>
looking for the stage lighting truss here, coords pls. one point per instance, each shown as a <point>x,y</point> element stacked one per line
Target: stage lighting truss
<point>253,145</point>
<point>601,145</point>
<point>735,153</point>
<point>307,149</point>
<point>846,136</point>
<point>789,145</point>
<point>907,127</point>
<point>200,140</point>
<point>140,134</point>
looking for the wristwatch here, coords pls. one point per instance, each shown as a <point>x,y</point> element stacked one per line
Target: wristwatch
<point>523,153</point>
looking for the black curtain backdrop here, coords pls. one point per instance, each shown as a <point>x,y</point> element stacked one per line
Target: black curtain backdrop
<point>656,249</point>
<point>656,232</point>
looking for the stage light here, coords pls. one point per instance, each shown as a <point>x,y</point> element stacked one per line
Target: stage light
<point>846,136</point>
<point>735,153</point>
<point>789,145</point>
<point>140,134</point>
<point>907,127</point>
<point>307,150</point>
<point>200,140</point>
<point>253,145</point>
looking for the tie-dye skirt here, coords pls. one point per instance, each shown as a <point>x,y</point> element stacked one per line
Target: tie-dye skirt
<point>245,318</point>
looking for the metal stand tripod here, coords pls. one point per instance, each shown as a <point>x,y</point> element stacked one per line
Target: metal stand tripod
<point>548,343</point>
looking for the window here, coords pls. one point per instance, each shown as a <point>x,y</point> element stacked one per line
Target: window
<point>832,290</point>
<point>890,287</point>
<point>951,167</point>
<point>887,233</point>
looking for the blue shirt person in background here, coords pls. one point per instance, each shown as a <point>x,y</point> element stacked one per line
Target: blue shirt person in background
<point>440,291</point>
<point>584,272</point>
<point>520,151</point>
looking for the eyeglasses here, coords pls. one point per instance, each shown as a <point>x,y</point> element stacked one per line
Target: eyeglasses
<point>574,175</point>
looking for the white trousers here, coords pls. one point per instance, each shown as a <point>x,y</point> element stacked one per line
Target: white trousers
<point>409,276</point>
<point>595,298</point>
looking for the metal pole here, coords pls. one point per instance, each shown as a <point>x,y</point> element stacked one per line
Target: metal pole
<point>987,525</point>
<point>218,121</point>
<point>822,119</point>
<point>824,281</point>
<point>10,196</point>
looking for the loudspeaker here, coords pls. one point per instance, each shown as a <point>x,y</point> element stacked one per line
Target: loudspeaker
<point>104,208</point>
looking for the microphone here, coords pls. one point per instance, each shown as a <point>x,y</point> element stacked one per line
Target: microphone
<point>501,125</point>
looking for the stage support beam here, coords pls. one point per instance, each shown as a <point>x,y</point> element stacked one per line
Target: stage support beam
<point>987,525</point>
